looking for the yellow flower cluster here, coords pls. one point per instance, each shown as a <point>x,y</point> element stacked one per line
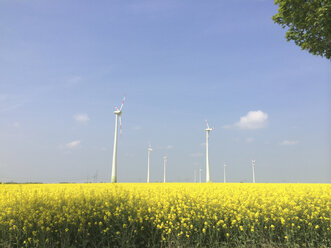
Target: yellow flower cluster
<point>133,214</point>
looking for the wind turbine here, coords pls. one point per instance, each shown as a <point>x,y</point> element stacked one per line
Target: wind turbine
<point>225,165</point>
<point>164,168</point>
<point>208,129</point>
<point>200,174</point>
<point>149,150</point>
<point>118,113</point>
<point>253,167</point>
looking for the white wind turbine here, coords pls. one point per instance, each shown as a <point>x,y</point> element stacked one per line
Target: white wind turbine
<point>118,113</point>
<point>253,167</point>
<point>149,150</point>
<point>208,129</point>
<point>225,165</point>
<point>164,168</point>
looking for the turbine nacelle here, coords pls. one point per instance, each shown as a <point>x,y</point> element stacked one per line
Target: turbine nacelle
<point>117,111</point>
<point>208,129</point>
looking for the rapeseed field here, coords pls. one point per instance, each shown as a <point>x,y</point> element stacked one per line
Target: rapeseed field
<point>165,215</point>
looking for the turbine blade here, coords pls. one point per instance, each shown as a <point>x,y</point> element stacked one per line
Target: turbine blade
<point>207,124</point>
<point>123,102</point>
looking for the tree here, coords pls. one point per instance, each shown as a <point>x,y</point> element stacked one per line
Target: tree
<point>308,23</point>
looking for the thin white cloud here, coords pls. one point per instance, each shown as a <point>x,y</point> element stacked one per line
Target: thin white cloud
<point>253,120</point>
<point>196,155</point>
<point>8,107</point>
<point>137,128</point>
<point>73,144</point>
<point>289,142</point>
<point>170,147</point>
<point>83,118</point>
<point>71,81</point>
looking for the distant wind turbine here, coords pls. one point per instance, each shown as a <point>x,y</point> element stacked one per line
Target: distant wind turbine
<point>208,129</point>
<point>200,175</point>
<point>118,113</point>
<point>225,165</point>
<point>149,150</point>
<point>253,167</point>
<point>164,168</point>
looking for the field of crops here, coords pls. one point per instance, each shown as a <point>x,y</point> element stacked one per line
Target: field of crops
<point>165,215</point>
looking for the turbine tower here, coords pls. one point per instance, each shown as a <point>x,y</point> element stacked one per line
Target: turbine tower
<point>164,168</point>
<point>253,167</point>
<point>118,113</point>
<point>208,129</point>
<point>200,175</point>
<point>148,161</point>
<point>225,165</point>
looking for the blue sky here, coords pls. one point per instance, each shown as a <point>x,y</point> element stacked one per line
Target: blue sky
<point>65,64</point>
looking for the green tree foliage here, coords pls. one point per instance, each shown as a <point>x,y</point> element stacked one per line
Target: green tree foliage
<point>308,23</point>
